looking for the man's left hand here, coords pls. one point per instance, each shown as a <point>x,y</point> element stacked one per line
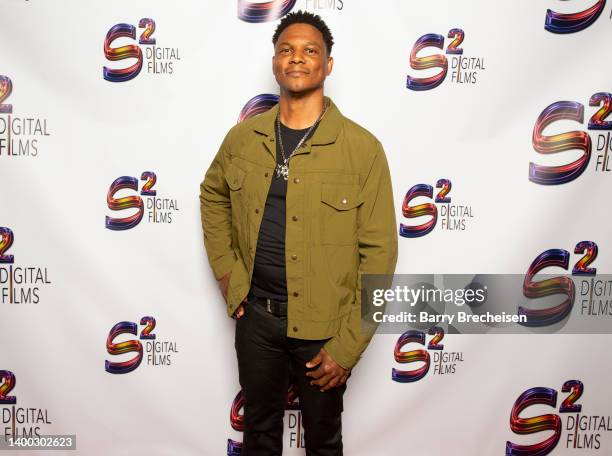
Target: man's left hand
<point>329,373</point>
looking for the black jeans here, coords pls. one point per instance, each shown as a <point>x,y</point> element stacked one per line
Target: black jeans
<point>268,361</point>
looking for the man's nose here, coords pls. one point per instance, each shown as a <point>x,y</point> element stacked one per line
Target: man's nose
<point>297,57</point>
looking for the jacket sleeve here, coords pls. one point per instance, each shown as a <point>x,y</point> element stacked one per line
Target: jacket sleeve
<point>377,239</point>
<point>216,214</point>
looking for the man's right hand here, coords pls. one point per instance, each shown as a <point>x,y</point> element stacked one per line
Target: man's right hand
<point>223,284</point>
<point>239,312</point>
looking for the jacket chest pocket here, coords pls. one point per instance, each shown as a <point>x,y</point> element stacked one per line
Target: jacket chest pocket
<point>338,213</point>
<point>235,178</point>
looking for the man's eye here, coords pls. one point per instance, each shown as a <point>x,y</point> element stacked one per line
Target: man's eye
<point>285,50</point>
<point>310,51</point>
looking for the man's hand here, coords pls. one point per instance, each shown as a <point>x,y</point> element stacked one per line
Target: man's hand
<point>329,374</point>
<point>239,312</point>
<point>223,284</point>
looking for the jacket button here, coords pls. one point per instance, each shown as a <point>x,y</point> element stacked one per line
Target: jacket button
<point>344,201</point>
<point>266,175</point>
<point>296,180</point>
<point>295,329</point>
<point>294,257</point>
<point>296,294</point>
<point>294,218</point>
<point>257,211</point>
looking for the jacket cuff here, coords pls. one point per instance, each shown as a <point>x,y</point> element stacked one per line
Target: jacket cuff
<point>345,358</point>
<point>223,265</point>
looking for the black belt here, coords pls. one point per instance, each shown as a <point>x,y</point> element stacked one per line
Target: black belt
<point>278,308</point>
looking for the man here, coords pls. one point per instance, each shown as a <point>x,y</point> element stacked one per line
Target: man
<point>296,206</point>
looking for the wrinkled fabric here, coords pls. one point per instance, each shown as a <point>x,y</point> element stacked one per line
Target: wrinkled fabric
<point>340,223</point>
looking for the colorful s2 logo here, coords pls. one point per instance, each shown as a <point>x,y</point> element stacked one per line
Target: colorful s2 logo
<point>128,346</point>
<point>255,12</point>
<point>567,110</point>
<point>129,202</point>
<point>257,105</point>
<point>234,448</point>
<point>564,23</point>
<point>556,285</point>
<point>413,356</point>
<point>433,61</point>
<point>6,241</point>
<point>129,51</point>
<point>7,383</point>
<point>423,209</point>
<point>548,422</point>
<point>6,88</point>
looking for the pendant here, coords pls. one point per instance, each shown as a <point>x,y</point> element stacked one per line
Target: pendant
<point>282,170</point>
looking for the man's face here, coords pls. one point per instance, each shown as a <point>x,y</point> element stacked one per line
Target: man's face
<point>300,61</point>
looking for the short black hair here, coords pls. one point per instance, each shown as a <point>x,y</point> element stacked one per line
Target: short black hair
<point>305,17</point>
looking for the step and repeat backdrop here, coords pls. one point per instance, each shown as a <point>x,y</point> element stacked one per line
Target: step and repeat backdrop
<point>495,120</point>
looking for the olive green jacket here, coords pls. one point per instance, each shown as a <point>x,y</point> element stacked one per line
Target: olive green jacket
<point>340,223</point>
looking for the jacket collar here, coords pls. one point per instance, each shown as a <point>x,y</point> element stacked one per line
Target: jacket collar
<point>326,132</point>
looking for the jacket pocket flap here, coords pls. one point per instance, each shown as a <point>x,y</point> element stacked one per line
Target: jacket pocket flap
<point>234,177</point>
<point>341,196</point>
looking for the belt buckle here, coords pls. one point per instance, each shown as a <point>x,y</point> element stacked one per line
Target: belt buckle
<point>268,305</point>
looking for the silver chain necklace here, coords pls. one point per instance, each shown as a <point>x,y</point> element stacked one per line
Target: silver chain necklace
<point>282,169</point>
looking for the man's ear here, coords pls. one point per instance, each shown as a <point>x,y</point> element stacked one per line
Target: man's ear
<point>330,65</point>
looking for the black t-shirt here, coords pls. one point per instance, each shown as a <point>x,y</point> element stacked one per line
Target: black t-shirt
<point>269,274</point>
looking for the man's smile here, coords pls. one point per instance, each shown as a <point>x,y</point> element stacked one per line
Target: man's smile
<point>296,73</point>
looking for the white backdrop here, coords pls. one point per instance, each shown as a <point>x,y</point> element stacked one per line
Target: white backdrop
<point>477,135</point>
